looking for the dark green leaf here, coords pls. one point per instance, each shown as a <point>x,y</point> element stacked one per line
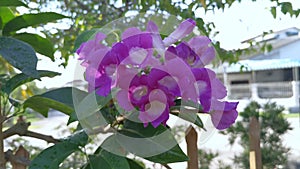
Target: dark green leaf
<point>22,78</point>
<point>20,55</point>
<point>135,164</point>
<point>65,95</point>
<point>154,144</point>
<point>12,3</point>
<point>286,7</point>
<point>114,161</point>
<point>173,155</point>
<point>112,145</point>
<point>59,99</point>
<point>43,104</point>
<point>79,138</point>
<point>72,118</point>
<point>27,20</point>
<point>5,15</point>
<point>83,37</point>
<point>41,45</point>
<point>51,157</point>
<point>106,155</point>
<point>97,162</point>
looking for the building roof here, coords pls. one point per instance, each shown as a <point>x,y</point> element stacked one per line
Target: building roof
<point>276,39</point>
<point>272,35</point>
<point>256,65</point>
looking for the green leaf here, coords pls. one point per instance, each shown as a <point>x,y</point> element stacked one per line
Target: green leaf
<point>135,164</point>
<point>27,20</point>
<point>112,145</point>
<point>286,7</point>
<point>51,157</point>
<point>41,45</point>
<point>20,55</point>
<point>273,11</point>
<point>5,15</point>
<point>87,110</point>
<point>84,36</point>
<point>173,155</point>
<point>191,117</point>
<point>79,138</point>
<point>188,111</point>
<point>59,99</point>
<point>43,104</point>
<point>12,3</point>
<point>96,162</point>
<point>108,158</point>
<point>22,78</point>
<point>114,161</point>
<point>65,95</point>
<point>154,144</point>
<point>72,118</point>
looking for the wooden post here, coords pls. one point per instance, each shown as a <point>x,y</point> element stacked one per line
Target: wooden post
<point>22,161</point>
<point>254,137</point>
<point>192,148</point>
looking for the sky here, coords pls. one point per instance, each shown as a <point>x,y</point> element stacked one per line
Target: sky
<point>235,24</point>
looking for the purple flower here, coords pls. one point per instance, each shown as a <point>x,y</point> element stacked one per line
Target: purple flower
<point>211,90</point>
<point>201,45</point>
<point>185,28</point>
<point>151,73</point>
<point>196,53</point>
<point>223,114</point>
<point>151,94</point>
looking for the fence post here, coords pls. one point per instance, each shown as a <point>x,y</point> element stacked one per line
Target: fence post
<point>192,148</point>
<point>23,158</point>
<point>254,137</point>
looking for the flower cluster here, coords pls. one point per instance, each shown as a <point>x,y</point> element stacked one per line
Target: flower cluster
<point>150,73</point>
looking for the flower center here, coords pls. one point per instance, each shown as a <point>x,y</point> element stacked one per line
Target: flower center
<point>139,92</point>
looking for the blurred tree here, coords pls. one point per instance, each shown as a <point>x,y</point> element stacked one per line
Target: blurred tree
<point>273,127</point>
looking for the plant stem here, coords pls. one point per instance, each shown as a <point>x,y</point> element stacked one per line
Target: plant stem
<point>2,155</point>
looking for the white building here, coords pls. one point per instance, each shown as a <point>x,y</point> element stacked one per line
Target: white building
<point>267,76</point>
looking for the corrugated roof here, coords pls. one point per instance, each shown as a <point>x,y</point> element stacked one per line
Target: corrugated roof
<point>256,65</point>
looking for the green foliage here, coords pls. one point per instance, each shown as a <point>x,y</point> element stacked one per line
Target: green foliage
<point>188,111</point>
<point>205,158</point>
<point>60,99</point>
<point>106,160</point>
<point>6,15</point>
<point>272,124</point>
<point>51,157</point>
<point>41,45</point>
<point>151,143</point>
<point>12,3</point>
<point>27,20</point>
<point>20,79</point>
<point>14,50</point>
<point>14,46</point>
<point>101,13</point>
